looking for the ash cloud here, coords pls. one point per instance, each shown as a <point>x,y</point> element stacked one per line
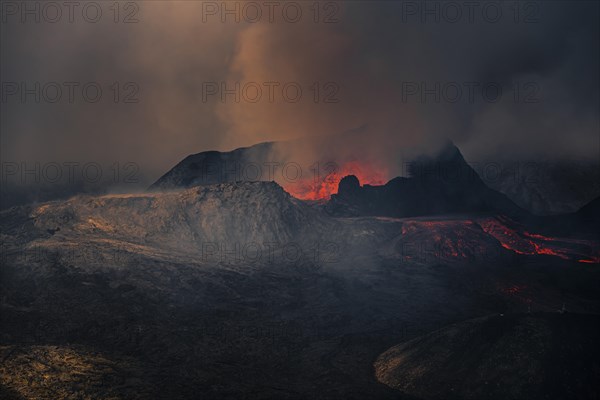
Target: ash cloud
<point>374,53</point>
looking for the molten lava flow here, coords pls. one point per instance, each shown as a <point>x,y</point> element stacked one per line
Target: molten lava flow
<point>591,260</point>
<point>522,242</point>
<point>445,241</point>
<point>526,243</point>
<point>323,183</point>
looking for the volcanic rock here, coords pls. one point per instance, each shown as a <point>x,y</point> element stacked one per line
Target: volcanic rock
<point>516,356</point>
<point>212,167</point>
<point>122,289</point>
<point>547,187</point>
<point>438,185</point>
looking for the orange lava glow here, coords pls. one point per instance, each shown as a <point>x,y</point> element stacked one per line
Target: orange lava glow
<point>522,242</point>
<point>323,183</point>
<point>593,260</point>
<point>451,240</point>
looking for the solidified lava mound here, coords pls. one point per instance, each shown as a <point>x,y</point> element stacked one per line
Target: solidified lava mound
<point>518,356</point>
<point>233,213</point>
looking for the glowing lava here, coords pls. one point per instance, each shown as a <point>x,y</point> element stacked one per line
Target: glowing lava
<point>522,242</point>
<point>592,260</point>
<point>324,182</point>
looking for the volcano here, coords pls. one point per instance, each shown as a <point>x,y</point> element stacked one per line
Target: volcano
<point>439,184</point>
<point>237,288</point>
<point>315,181</point>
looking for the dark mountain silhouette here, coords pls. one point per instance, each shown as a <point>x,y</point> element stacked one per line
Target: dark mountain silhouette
<point>444,183</point>
<point>438,185</point>
<point>210,167</point>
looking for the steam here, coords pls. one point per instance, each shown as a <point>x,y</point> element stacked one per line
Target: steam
<point>369,56</point>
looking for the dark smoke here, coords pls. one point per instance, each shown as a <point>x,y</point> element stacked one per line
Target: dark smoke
<point>373,54</point>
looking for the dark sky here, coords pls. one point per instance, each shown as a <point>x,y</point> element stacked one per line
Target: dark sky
<point>371,58</point>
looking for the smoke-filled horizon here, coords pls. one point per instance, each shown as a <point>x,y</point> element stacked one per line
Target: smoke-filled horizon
<point>501,81</point>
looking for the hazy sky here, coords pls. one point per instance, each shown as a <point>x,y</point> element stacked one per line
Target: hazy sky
<point>412,72</point>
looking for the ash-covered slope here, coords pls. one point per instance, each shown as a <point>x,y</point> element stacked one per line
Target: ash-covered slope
<point>133,289</point>
<point>210,167</point>
<point>260,212</point>
<point>438,185</point>
<point>518,356</point>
